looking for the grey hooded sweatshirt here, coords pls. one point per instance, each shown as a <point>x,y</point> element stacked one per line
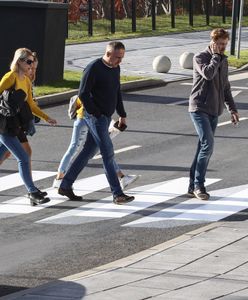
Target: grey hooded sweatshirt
<point>211,88</point>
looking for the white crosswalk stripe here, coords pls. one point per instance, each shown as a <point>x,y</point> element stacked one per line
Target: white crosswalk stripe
<point>145,196</point>
<point>20,205</point>
<point>14,180</point>
<point>223,203</point>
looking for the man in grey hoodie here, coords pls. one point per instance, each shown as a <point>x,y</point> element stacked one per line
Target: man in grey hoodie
<point>210,93</point>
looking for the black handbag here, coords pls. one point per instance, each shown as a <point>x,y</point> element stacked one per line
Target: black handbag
<point>11,103</point>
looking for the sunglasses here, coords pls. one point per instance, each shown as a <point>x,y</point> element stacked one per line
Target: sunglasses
<point>29,61</point>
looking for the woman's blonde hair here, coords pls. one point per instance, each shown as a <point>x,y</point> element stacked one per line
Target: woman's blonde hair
<point>20,54</point>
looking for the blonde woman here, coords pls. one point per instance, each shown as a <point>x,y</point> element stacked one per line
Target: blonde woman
<point>17,78</point>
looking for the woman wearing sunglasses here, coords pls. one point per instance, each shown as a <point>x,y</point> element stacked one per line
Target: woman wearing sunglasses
<point>17,78</point>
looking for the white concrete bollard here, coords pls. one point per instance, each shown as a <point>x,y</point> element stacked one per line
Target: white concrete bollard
<point>161,64</point>
<point>186,60</point>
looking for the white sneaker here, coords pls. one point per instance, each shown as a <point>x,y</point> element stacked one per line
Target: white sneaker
<point>57,183</point>
<point>127,179</point>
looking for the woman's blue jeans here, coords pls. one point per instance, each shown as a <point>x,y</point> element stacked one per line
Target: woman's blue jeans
<point>14,146</point>
<point>79,133</point>
<point>97,138</point>
<point>205,126</point>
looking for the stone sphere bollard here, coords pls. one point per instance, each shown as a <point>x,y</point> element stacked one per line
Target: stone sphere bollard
<point>186,60</point>
<point>161,64</point>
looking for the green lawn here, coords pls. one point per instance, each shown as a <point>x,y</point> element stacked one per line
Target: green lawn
<point>78,33</point>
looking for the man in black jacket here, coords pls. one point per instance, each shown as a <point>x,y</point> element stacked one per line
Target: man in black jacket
<point>100,94</point>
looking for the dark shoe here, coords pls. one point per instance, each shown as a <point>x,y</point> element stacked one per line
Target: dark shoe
<point>69,193</point>
<point>123,199</point>
<point>200,193</point>
<point>36,198</point>
<point>43,194</point>
<point>190,192</point>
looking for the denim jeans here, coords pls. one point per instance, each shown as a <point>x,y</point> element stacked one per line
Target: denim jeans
<point>78,138</point>
<point>3,150</point>
<point>14,146</point>
<point>205,126</point>
<point>97,138</point>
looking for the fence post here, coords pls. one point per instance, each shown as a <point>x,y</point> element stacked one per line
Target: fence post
<point>112,16</point>
<point>173,12</point>
<point>223,11</point>
<point>153,14</point>
<point>207,12</point>
<point>133,15</point>
<point>90,18</point>
<point>191,13</point>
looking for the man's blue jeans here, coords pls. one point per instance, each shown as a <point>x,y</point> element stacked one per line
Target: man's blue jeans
<point>205,126</point>
<point>97,137</point>
<point>14,146</point>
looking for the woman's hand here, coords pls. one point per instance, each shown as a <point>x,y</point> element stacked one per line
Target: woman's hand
<point>51,121</point>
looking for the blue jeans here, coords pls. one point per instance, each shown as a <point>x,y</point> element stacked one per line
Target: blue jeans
<point>14,146</point>
<point>3,150</point>
<point>205,126</point>
<point>78,138</point>
<point>97,138</point>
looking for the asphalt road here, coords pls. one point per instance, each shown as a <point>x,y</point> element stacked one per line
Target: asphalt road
<point>48,243</point>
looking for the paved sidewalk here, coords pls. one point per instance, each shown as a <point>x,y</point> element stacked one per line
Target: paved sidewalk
<point>208,263</point>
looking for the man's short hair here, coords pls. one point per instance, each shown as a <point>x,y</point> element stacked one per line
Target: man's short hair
<point>116,45</point>
<point>219,33</point>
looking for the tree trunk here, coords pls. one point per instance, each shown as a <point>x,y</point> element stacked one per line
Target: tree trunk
<point>126,9</point>
<point>106,8</point>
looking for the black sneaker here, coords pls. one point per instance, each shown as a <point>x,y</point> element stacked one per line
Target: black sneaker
<point>69,193</point>
<point>200,193</point>
<point>123,199</point>
<point>41,193</point>
<point>36,198</point>
<point>190,192</point>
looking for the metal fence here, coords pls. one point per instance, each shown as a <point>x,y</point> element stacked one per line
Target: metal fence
<point>110,16</point>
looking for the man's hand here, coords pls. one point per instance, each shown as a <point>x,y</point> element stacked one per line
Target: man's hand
<point>214,48</point>
<point>235,118</point>
<point>121,121</point>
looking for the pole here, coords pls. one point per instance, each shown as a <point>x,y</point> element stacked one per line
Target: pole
<point>191,13</point>
<point>153,14</point>
<point>133,15</point>
<point>234,23</point>
<point>224,11</point>
<point>207,12</point>
<point>173,14</point>
<point>112,16</point>
<point>90,18</point>
<point>241,10</point>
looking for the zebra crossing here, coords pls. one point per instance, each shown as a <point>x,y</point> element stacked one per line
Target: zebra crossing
<point>223,203</point>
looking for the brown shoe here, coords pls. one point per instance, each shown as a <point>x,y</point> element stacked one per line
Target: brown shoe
<point>69,193</point>
<point>123,199</point>
<point>201,194</point>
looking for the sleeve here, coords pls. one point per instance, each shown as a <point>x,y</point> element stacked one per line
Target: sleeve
<point>120,107</point>
<point>85,88</point>
<point>207,69</point>
<point>7,81</point>
<point>229,101</point>
<point>33,105</point>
